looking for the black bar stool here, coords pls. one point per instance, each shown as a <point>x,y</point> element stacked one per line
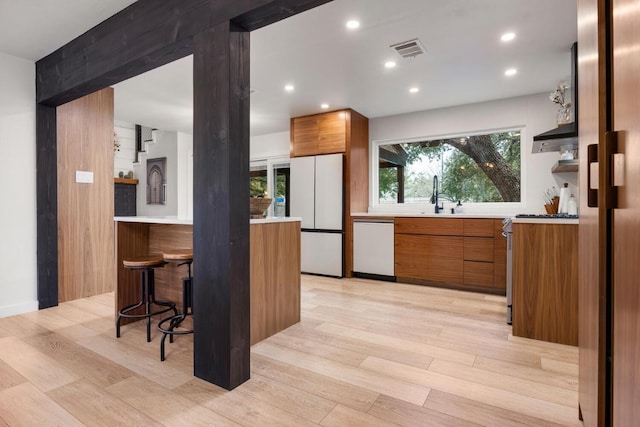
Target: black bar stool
<point>147,266</point>
<point>167,326</point>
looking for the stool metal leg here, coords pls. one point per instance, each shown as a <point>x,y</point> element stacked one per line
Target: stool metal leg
<point>147,290</point>
<point>175,321</point>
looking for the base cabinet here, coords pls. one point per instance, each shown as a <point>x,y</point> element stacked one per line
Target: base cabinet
<point>373,247</point>
<point>545,282</point>
<point>451,252</point>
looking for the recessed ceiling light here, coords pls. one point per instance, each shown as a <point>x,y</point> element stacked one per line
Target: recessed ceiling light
<point>414,90</point>
<point>507,37</point>
<point>324,106</point>
<point>510,72</point>
<point>353,24</point>
<point>390,64</point>
<point>289,88</point>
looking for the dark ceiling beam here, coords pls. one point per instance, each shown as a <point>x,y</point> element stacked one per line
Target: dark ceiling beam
<point>274,11</point>
<point>399,158</point>
<point>144,36</point>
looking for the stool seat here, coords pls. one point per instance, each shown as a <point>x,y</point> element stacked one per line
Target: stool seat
<point>178,255</point>
<point>148,261</point>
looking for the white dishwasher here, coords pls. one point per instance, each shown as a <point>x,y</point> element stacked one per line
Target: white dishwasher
<point>373,247</point>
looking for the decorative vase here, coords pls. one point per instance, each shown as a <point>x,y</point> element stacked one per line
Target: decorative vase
<point>564,116</point>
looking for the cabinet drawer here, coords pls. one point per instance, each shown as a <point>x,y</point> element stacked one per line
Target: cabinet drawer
<point>478,249</point>
<point>479,227</point>
<point>433,226</point>
<point>478,273</point>
<point>428,257</point>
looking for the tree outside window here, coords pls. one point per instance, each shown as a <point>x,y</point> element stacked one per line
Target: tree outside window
<point>475,168</point>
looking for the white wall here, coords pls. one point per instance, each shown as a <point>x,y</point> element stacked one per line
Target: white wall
<point>534,112</point>
<point>185,175</point>
<point>270,145</point>
<point>123,158</point>
<point>18,279</point>
<point>166,145</point>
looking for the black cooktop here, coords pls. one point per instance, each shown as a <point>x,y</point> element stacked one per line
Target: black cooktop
<point>547,216</point>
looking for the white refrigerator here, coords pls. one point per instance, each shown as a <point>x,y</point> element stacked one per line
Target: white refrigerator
<point>317,196</point>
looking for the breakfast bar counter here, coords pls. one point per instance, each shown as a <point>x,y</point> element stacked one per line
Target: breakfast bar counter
<point>274,275</point>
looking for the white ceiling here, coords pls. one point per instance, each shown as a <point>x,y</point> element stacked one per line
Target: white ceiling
<point>464,63</point>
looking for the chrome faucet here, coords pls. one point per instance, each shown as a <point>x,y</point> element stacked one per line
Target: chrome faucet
<point>434,196</point>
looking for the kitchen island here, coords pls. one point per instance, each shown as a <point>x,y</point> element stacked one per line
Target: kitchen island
<point>274,274</point>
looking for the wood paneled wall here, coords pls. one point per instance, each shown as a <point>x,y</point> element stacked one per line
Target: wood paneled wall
<point>356,179</point>
<point>592,330</point>
<point>275,278</point>
<point>85,211</point>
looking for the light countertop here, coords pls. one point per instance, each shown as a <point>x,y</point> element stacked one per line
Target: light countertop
<point>189,221</point>
<point>430,215</point>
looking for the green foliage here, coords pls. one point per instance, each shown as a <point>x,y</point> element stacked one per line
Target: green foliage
<point>388,184</point>
<point>257,185</point>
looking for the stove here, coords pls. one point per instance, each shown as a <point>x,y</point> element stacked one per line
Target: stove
<point>548,216</point>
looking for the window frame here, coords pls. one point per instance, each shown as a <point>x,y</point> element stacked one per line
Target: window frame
<point>270,164</point>
<point>426,208</point>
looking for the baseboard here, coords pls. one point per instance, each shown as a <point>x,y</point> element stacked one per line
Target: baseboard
<point>12,310</point>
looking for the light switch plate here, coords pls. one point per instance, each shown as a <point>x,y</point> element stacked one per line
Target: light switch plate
<point>85,177</point>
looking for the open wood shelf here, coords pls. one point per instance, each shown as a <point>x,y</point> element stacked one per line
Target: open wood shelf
<point>565,166</point>
<point>125,181</point>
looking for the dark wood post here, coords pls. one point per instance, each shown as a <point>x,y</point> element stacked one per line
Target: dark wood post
<point>221,205</point>
<point>400,177</point>
<point>47,205</point>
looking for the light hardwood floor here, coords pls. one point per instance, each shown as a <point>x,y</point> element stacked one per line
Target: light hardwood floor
<point>365,354</point>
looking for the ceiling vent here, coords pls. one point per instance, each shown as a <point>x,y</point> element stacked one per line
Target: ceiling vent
<point>409,49</point>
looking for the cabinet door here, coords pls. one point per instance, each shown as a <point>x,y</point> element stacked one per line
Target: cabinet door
<point>373,250</point>
<point>478,274</point>
<point>444,259</point>
<point>478,227</point>
<point>302,197</point>
<point>429,258</point>
<point>499,257</point>
<point>304,134</point>
<point>332,134</point>
<point>321,253</point>
<point>478,249</point>
<point>329,212</point>
<point>319,134</point>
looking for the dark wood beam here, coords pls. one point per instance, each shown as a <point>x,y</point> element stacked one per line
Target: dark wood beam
<point>144,36</point>
<point>221,206</point>
<point>400,177</point>
<point>274,11</point>
<point>396,158</point>
<point>47,206</point>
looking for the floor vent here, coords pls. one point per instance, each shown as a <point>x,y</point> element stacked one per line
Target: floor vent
<point>409,49</point>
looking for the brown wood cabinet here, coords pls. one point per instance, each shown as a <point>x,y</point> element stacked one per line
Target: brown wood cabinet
<point>463,253</point>
<point>319,134</point>
<point>545,282</point>
<point>344,131</point>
